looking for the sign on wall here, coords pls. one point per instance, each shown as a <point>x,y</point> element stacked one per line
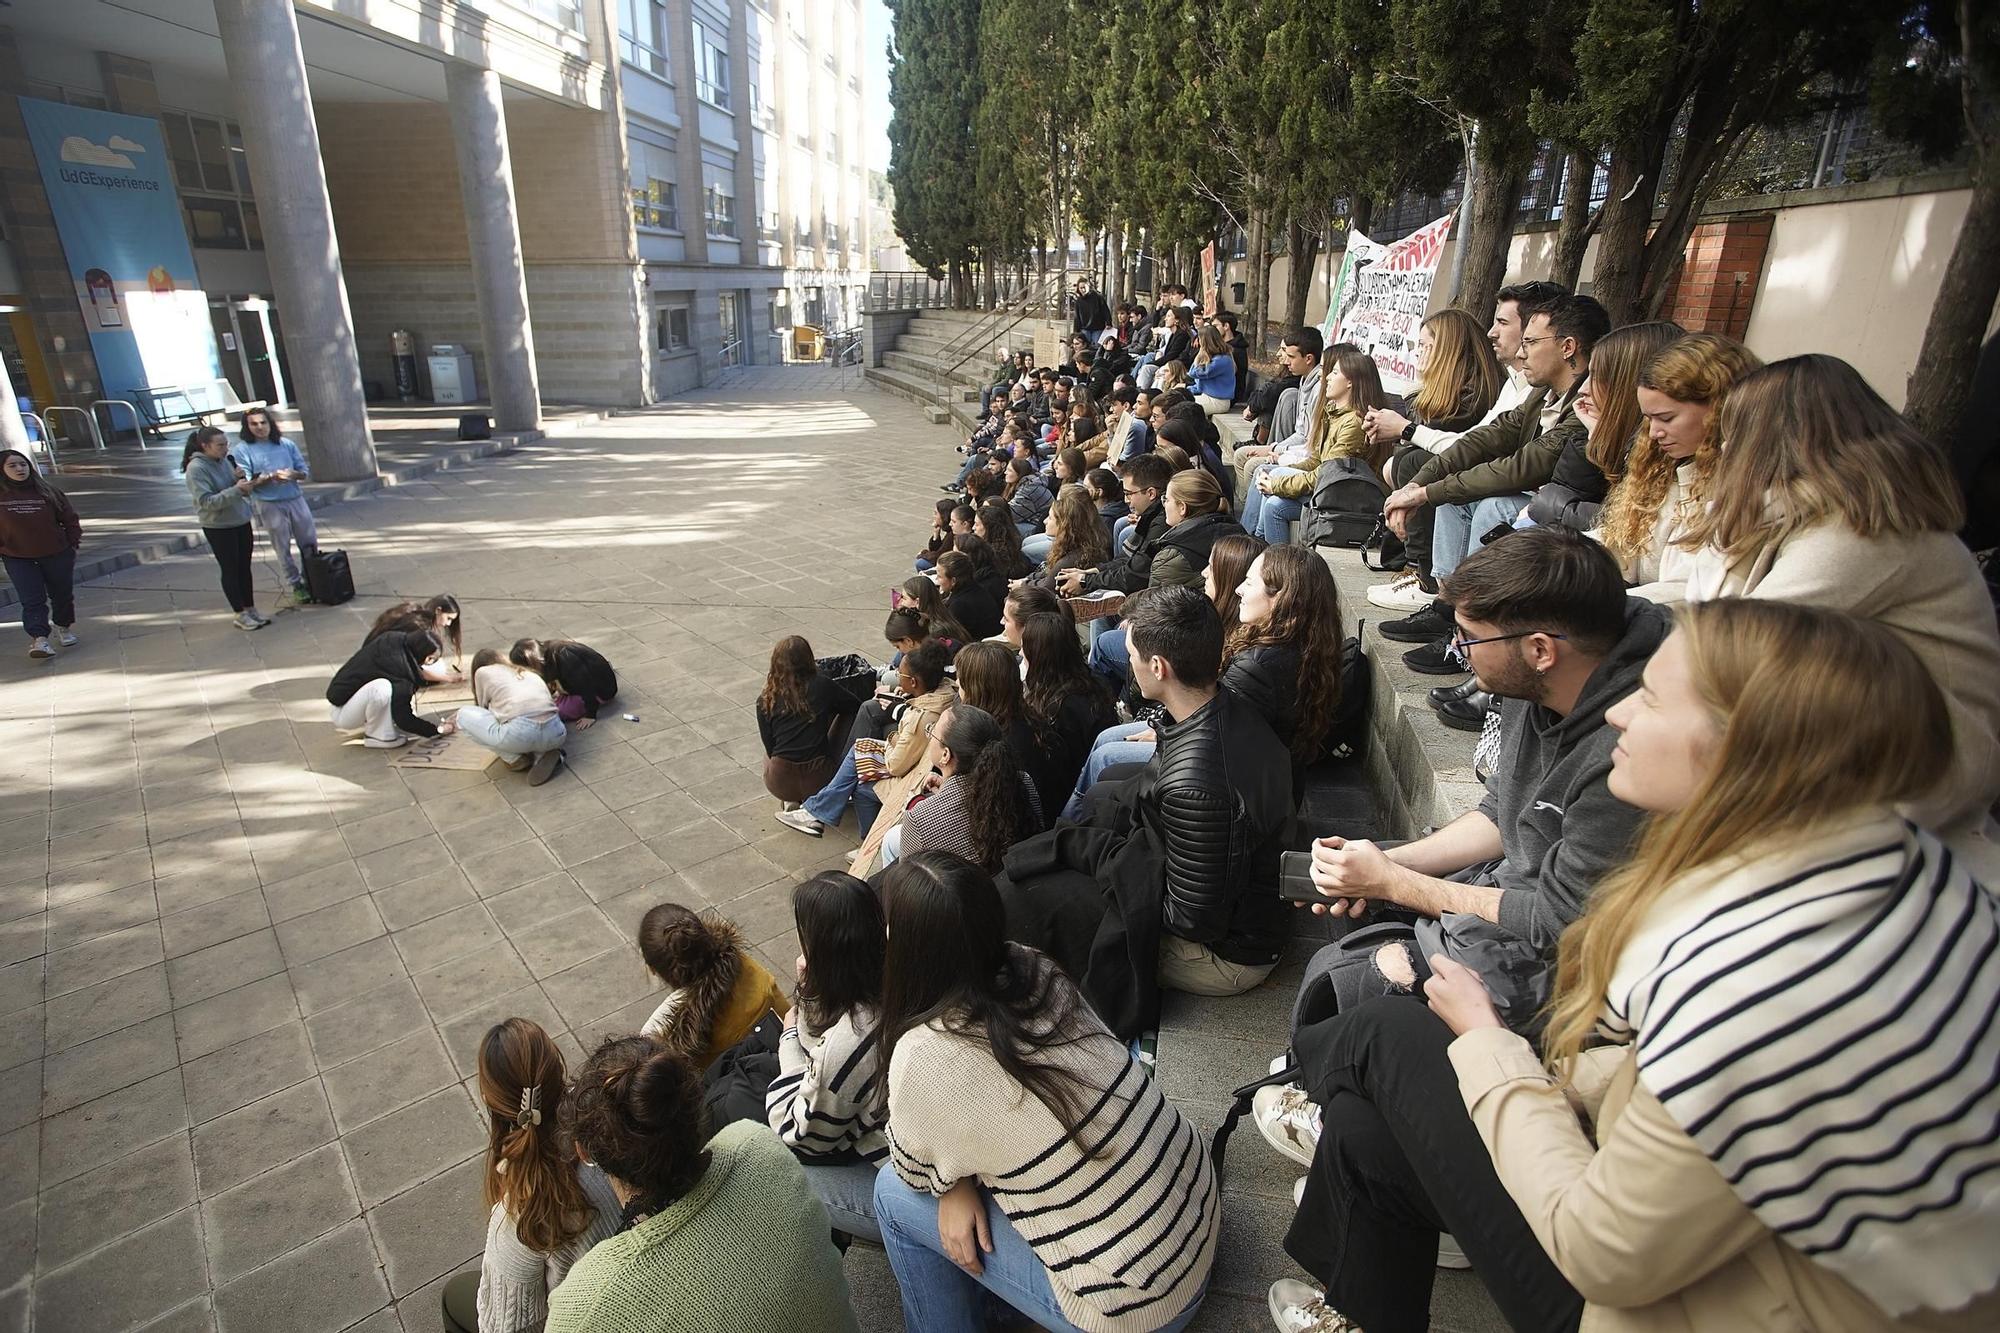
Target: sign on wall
<point>111,189</point>
<point>1390,298</point>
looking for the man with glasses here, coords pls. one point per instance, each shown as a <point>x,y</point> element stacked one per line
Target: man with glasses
<point>1146,477</point>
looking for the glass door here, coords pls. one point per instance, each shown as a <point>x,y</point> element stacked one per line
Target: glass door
<point>732,329</point>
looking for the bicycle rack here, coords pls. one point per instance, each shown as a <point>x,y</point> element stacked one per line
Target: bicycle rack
<point>47,441</point>
<point>96,437</point>
<point>111,419</point>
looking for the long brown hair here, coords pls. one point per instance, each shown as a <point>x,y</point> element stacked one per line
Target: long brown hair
<point>1003,539</point>
<point>989,677</point>
<point>1305,614</point>
<point>1615,363</point>
<point>1802,742</point>
<point>528,1168</point>
<point>792,669</point>
<point>1076,533</point>
<point>923,596</point>
<point>1229,561</point>
<point>1699,368</point>
<point>1461,376</point>
<point>1805,440</point>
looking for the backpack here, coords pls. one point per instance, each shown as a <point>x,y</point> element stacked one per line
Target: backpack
<point>1347,499</point>
<point>328,577</point>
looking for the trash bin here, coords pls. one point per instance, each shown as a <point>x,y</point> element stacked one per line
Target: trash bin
<point>451,374</point>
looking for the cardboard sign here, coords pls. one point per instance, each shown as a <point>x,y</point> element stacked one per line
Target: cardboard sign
<point>1391,297</point>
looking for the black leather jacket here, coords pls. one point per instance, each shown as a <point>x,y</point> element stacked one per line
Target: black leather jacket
<point>1217,793</point>
<point>1266,678</point>
<point>1129,573</point>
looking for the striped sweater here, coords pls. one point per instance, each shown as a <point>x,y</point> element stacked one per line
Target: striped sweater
<point>823,1101</point>
<point>1128,1233</point>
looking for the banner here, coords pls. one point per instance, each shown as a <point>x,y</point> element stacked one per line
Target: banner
<point>1211,296</point>
<point>111,189</point>
<point>1360,253</point>
<point>1390,298</point>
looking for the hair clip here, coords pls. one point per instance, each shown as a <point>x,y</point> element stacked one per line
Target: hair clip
<point>531,1110</point>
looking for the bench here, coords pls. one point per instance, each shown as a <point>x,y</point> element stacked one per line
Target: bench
<point>166,406</point>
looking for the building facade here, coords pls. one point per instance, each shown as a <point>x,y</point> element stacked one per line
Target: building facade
<point>598,201</point>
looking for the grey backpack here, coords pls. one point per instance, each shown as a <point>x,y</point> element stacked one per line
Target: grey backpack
<point>1347,498</point>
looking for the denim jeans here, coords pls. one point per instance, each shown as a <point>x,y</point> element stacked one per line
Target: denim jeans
<point>1119,532</point>
<point>1456,528</point>
<point>40,581</point>
<point>1274,519</point>
<point>847,1191</point>
<point>941,1297</point>
<point>1112,746</point>
<point>892,847</point>
<point>830,803</point>
<point>1036,548</point>
<point>512,739</point>
<point>1111,656</point>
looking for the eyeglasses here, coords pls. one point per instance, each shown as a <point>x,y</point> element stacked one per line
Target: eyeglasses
<point>1459,643</point>
<point>1545,338</point>
<point>1131,494</point>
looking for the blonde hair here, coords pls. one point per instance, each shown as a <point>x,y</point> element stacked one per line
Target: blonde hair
<point>1699,368</point>
<point>1210,345</point>
<point>1802,741</point>
<point>1460,374</point>
<point>1805,440</point>
<point>1197,492</point>
<point>1615,363</point>
<point>1175,456</point>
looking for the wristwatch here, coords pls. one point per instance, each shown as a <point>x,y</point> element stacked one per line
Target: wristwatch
<point>1409,432</point>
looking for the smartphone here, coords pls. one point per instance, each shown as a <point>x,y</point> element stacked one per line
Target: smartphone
<point>1295,879</point>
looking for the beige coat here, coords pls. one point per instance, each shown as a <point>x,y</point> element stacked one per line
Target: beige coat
<point>907,770</point>
<point>1642,1224</point>
<point>1925,588</point>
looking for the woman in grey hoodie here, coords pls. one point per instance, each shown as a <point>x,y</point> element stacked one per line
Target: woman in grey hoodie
<point>222,505</point>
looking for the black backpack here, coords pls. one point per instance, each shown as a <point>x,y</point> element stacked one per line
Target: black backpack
<point>328,577</point>
<point>1347,499</point>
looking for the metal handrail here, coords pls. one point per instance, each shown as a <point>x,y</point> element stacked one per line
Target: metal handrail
<point>89,420</point>
<point>47,440</point>
<point>1034,297</point>
<point>111,418</point>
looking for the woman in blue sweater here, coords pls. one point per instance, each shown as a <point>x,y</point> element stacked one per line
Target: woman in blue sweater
<point>1213,377</point>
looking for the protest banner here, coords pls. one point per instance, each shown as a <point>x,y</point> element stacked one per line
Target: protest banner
<point>1359,254</point>
<point>1390,298</point>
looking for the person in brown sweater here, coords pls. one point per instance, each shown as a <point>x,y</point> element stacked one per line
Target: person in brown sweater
<point>39,535</point>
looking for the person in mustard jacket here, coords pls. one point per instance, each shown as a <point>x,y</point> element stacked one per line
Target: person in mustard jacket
<point>1353,389</point>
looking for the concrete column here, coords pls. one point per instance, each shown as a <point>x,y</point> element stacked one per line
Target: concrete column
<point>260,44</point>
<point>492,226</point>
<point>13,430</point>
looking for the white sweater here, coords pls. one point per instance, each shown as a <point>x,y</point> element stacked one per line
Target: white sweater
<point>1928,591</point>
<point>515,1281</point>
<point>1127,1235</point>
<point>824,1098</point>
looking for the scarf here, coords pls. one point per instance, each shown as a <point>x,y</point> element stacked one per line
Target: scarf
<point>1824,1023</point>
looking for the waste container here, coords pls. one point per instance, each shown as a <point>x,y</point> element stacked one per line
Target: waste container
<point>451,374</point>
<point>403,352</point>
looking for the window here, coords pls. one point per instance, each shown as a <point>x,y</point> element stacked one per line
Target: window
<point>654,203</point>
<point>767,226</point>
<point>670,323</point>
<point>642,32</point>
<point>832,235</point>
<point>214,178</point>
<point>718,208</point>
<point>833,145</point>
<point>712,74</point>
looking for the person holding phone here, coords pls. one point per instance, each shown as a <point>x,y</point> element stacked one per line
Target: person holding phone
<point>275,468</point>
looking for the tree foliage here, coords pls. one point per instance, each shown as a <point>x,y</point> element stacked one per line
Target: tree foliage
<point>933,91</point>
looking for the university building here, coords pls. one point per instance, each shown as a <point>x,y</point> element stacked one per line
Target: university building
<point>598,201</point>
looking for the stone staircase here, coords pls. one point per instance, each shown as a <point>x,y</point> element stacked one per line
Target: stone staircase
<point>945,357</point>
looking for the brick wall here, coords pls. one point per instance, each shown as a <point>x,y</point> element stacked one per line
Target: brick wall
<point>1717,284</point>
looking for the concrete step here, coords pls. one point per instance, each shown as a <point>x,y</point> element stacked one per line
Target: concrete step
<point>921,366</point>
<point>918,391</point>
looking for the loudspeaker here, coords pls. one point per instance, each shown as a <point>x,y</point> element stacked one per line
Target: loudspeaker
<point>475,426</point>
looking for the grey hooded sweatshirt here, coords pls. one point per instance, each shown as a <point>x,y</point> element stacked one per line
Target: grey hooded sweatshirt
<point>1560,826</point>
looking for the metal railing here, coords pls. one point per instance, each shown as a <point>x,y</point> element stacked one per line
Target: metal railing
<point>111,418</point>
<point>43,438</point>
<point>906,290</point>
<point>50,412</point>
<point>1037,296</point>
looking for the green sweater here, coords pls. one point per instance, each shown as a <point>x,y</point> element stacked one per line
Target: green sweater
<point>748,1250</point>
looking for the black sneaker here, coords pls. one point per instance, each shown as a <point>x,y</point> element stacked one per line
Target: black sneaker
<point>1432,623</point>
<point>1434,659</point>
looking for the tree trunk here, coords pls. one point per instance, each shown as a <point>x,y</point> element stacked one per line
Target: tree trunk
<point>1302,243</point>
<point>986,267</point>
<point>1573,235</point>
<point>1495,204</point>
<point>1114,262</point>
<point>1257,281</point>
<point>1943,377</point>
<point>1619,279</point>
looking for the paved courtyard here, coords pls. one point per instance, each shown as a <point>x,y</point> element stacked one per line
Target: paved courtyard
<point>245,966</point>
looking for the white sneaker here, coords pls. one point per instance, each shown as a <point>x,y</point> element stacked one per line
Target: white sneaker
<point>395,742</point>
<point>65,636</point>
<point>258,616</point>
<point>1288,1120</point>
<point>1403,593</point>
<point>1278,1062</point>
<point>40,648</point>
<point>249,620</point>
<point>1300,1307</point>
<point>1449,1255</point>
<point>1299,1192</point>
<point>803,822</point>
